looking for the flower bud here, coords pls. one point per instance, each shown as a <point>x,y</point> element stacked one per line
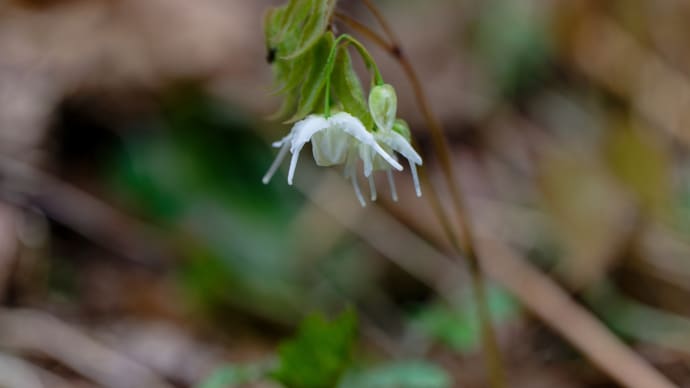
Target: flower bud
<point>383,104</point>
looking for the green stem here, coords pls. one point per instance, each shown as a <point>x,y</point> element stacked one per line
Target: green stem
<point>330,64</point>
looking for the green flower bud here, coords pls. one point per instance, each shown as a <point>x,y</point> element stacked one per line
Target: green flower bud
<point>383,104</point>
<point>403,129</point>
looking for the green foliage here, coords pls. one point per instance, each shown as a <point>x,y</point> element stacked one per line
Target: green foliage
<point>196,170</point>
<point>348,89</point>
<point>312,89</point>
<point>291,30</point>
<point>401,374</point>
<point>231,376</point>
<point>513,43</point>
<point>650,180</point>
<point>319,354</point>
<point>298,47</point>
<point>459,328</point>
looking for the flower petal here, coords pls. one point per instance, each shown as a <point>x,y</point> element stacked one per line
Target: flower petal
<point>304,129</point>
<point>301,133</point>
<point>356,129</point>
<point>398,143</point>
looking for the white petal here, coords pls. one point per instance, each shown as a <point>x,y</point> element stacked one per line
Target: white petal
<point>352,126</point>
<point>397,142</point>
<point>304,129</point>
<point>356,129</point>
<point>276,163</point>
<point>301,133</point>
<point>387,157</point>
<point>331,146</point>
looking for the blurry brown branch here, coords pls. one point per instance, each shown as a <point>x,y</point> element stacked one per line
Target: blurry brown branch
<point>533,288</point>
<point>615,59</point>
<point>543,296</point>
<point>37,333</point>
<point>84,213</point>
<point>18,373</point>
<point>464,248</point>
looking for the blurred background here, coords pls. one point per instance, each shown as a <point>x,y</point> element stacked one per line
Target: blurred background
<point>139,248</point>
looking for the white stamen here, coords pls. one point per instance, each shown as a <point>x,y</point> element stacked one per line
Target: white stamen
<point>372,187</point>
<point>358,192</point>
<point>293,165</point>
<point>391,183</point>
<point>276,163</point>
<point>415,179</point>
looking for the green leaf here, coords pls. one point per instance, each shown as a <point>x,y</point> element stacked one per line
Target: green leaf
<point>314,28</point>
<point>319,354</point>
<point>293,20</point>
<point>234,376</point>
<point>402,374</point>
<point>346,86</point>
<point>514,44</point>
<point>312,89</point>
<point>459,328</point>
<point>291,73</point>
<point>272,24</point>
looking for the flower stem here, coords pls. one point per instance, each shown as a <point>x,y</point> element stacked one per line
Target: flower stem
<point>330,64</point>
<point>489,342</point>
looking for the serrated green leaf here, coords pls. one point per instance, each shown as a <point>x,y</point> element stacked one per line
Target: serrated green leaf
<point>313,29</point>
<point>348,89</point>
<point>272,22</point>
<point>401,374</point>
<point>319,354</point>
<point>312,88</point>
<point>292,73</point>
<point>293,20</point>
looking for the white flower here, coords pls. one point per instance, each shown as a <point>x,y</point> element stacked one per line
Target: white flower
<point>392,135</point>
<point>338,139</point>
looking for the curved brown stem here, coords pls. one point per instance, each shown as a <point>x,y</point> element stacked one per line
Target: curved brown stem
<point>464,247</point>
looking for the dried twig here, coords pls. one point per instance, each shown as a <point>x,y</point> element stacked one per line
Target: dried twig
<point>85,214</point>
<point>34,332</point>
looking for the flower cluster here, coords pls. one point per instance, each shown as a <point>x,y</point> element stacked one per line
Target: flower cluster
<point>341,138</point>
<point>313,70</point>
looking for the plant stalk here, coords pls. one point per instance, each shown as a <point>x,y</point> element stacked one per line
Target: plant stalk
<point>465,247</point>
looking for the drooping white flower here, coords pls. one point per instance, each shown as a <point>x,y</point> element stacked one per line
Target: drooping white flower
<point>338,139</point>
<point>393,135</point>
